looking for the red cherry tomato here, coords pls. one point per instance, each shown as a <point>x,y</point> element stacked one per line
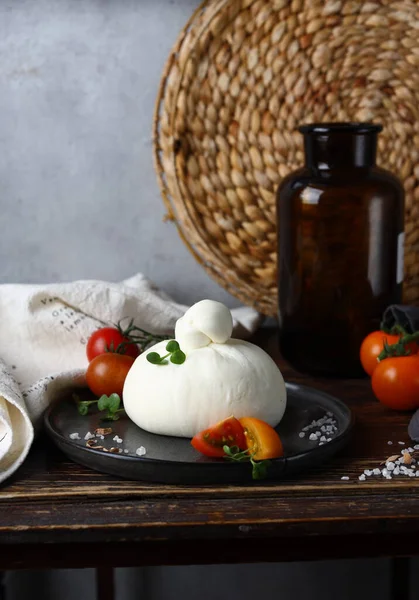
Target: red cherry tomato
<point>395,382</point>
<point>106,373</point>
<point>109,339</point>
<point>210,442</point>
<point>373,345</point>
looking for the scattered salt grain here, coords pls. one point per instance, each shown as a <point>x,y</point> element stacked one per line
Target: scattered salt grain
<point>117,439</point>
<point>140,451</point>
<point>313,437</point>
<point>89,436</point>
<point>101,437</point>
<point>367,472</point>
<point>377,471</point>
<point>344,478</point>
<point>390,466</point>
<point>321,443</point>
<point>396,471</point>
<point>390,443</point>
<point>126,451</point>
<point>361,477</point>
<point>75,436</point>
<point>401,443</point>
<point>416,447</point>
<point>302,434</point>
<point>323,438</point>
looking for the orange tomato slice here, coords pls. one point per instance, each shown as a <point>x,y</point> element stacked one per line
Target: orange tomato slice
<point>261,438</point>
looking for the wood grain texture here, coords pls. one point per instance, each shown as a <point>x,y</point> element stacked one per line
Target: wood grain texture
<point>316,515</point>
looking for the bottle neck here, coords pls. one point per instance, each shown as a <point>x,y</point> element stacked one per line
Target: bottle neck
<point>340,150</point>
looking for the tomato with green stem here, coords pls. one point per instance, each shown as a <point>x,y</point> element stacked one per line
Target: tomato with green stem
<point>373,345</point>
<point>110,339</point>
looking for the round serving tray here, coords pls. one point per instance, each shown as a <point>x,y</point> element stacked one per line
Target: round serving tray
<point>173,460</point>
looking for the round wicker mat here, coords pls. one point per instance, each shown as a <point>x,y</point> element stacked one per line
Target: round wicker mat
<point>241,77</point>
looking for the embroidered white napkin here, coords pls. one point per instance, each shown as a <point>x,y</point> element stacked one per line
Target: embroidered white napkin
<point>43,333</point>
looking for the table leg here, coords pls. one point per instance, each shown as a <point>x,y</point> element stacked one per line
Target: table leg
<point>105,583</point>
<point>400,578</point>
<point>2,586</point>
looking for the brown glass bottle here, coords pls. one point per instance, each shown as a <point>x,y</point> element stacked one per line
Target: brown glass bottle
<point>340,224</point>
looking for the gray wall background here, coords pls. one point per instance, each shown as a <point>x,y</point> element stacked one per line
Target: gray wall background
<point>79,199</point>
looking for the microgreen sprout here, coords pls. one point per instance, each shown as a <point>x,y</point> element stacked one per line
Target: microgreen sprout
<point>174,353</point>
<point>111,404</point>
<point>259,467</point>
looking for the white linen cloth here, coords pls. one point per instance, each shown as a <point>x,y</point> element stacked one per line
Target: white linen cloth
<point>43,335</point>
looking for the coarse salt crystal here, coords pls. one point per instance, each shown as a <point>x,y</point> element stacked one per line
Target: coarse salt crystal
<point>101,437</point>
<point>329,439</point>
<point>313,437</point>
<point>323,439</point>
<point>318,434</point>
<point>361,477</point>
<point>396,471</point>
<point>302,434</point>
<point>117,439</point>
<point>384,473</point>
<point>377,471</point>
<point>126,451</point>
<point>74,436</point>
<point>89,436</point>
<point>390,443</point>
<point>401,443</point>
<point>140,451</point>
<point>344,478</point>
<point>321,443</point>
<point>390,466</point>
<point>416,447</point>
<point>367,472</point>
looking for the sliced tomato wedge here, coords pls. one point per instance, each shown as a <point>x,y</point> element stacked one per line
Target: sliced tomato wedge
<point>210,442</point>
<point>262,440</point>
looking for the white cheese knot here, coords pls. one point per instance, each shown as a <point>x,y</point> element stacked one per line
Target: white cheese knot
<point>204,323</point>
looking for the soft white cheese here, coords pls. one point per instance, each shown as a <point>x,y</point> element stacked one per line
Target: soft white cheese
<point>205,322</point>
<point>219,378</point>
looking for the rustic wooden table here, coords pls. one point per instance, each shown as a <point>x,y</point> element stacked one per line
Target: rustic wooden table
<point>54,513</point>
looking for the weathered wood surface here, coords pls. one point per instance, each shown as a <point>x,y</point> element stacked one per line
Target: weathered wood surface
<point>86,518</point>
